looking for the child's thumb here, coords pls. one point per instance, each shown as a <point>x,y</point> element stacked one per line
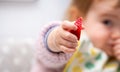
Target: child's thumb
<point>66,25</point>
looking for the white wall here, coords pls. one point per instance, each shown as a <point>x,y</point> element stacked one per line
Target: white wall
<point>24,20</point>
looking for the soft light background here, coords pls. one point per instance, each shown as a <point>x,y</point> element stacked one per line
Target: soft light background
<point>20,24</point>
<point>22,20</point>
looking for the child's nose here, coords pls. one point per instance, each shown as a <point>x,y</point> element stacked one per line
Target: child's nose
<point>116,33</point>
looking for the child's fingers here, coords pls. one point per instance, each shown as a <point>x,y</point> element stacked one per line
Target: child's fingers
<point>117,41</point>
<point>68,36</point>
<point>67,50</point>
<point>117,51</point>
<point>117,56</point>
<point>66,25</point>
<point>68,43</point>
<point>71,42</point>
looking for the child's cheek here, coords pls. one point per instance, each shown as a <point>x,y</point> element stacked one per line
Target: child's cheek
<point>100,38</point>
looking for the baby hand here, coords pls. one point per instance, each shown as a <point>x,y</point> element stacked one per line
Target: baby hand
<point>61,39</point>
<point>116,49</point>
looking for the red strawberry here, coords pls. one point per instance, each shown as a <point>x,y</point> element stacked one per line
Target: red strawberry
<point>78,23</point>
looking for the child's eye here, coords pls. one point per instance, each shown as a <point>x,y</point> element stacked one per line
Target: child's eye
<point>107,22</point>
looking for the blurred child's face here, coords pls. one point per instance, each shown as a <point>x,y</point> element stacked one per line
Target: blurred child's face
<point>103,25</point>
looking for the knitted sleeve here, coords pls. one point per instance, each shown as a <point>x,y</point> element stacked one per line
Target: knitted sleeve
<point>45,56</point>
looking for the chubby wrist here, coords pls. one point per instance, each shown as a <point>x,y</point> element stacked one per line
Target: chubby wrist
<point>51,41</point>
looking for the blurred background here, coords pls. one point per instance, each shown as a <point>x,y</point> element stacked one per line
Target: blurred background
<point>21,19</point>
<point>20,24</point>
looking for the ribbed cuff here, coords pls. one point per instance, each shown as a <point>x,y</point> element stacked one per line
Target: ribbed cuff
<point>46,37</point>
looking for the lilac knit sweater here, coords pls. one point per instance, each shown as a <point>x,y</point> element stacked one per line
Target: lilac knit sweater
<point>47,61</point>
